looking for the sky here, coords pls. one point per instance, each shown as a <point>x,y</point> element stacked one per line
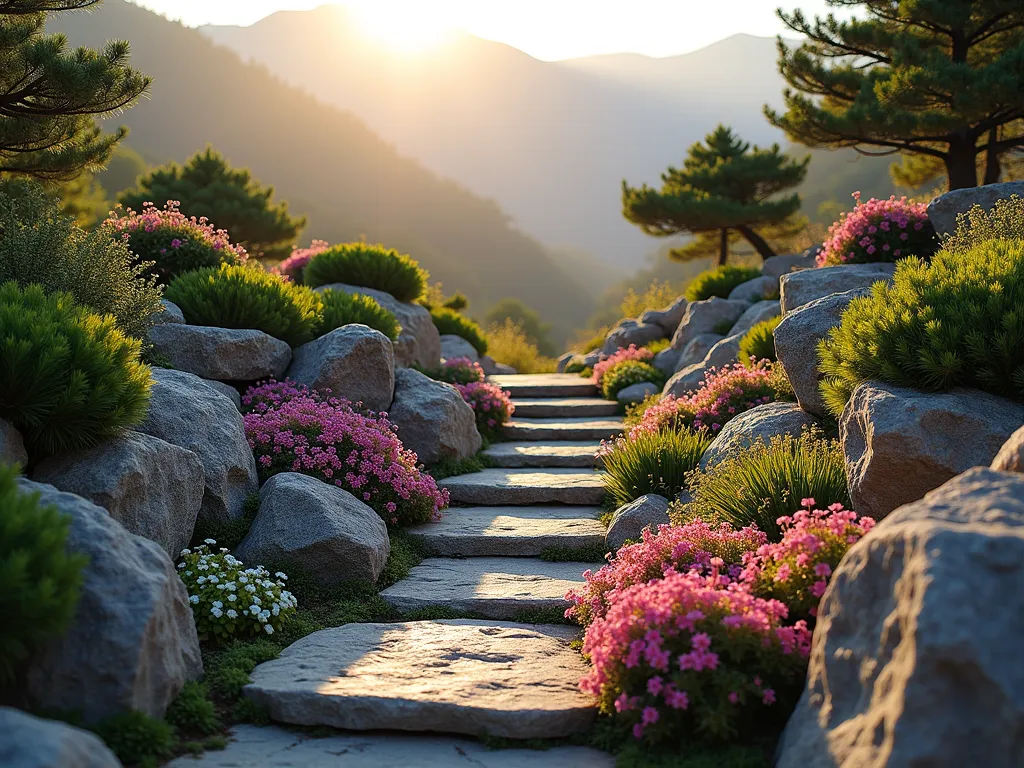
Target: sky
<point>545,29</point>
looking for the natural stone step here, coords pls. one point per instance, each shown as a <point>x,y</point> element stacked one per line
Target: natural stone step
<point>496,587</point>
<point>274,747</point>
<point>545,385</point>
<point>567,453</point>
<point>474,677</point>
<point>562,429</point>
<point>565,407</point>
<point>510,531</point>
<point>526,486</point>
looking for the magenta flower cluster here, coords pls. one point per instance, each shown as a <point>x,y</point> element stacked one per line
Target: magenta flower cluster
<point>292,267</point>
<point>460,370</point>
<point>632,352</point>
<point>291,429</point>
<point>490,403</point>
<point>879,230</point>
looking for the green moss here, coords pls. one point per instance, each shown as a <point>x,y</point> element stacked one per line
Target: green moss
<point>448,467</point>
<point>590,553</point>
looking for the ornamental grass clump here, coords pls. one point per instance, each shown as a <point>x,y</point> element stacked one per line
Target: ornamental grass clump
<point>650,462</point>
<point>628,373</point>
<point>879,230</point>
<point>632,352</point>
<point>758,343</point>
<point>291,269</point>
<point>237,296</point>
<point>368,266</point>
<point>340,308</point>
<point>174,242</point>
<point>491,405</point>
<point>230,601</point>
<point>672,548</point>
<point>68,378</point>
<point>719,282</point>
<point>449,322</point>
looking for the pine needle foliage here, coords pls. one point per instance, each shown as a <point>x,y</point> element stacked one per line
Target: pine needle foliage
<point>719,281</point>
<point>759,342</point>
<point>652,462</point>
<point>450,322</point>
<point>340,308</point>
<point>368,266</point>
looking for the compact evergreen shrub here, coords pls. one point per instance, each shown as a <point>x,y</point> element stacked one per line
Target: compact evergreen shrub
<point>68,378</point>
<point>759,342</point>
<point>236,296</point>
<point>956,321</point>
<point>719,282</point>
<point>340,308</point>
<point>651,462</point>
<point>39,244</point>
<point>136,738</point>
<point>39,578</point>
<point>369,266</point>
<point>627,373</point>
<point>879,230</point>
<point>448,321</point>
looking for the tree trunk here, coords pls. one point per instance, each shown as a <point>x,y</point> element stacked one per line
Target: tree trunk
<point>762,247</point>
<point>960,163</point>
<point>723,248</point>
<point>993,170</point>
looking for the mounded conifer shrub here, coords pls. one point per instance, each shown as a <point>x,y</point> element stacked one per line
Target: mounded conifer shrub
<point>68,378</point>
<point>340,308</point>
<point>759,342</point>
<point>627,373</point>
<point>651,462</point>
<point>448,321</point>
<point>719,282</point>
<point>369,266</point>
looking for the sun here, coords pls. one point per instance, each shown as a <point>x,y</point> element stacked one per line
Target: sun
<point>406,26</point>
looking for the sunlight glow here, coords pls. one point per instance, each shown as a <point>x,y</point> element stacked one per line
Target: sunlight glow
<point>402,26</point>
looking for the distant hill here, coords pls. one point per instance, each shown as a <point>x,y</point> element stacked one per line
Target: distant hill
<point>327,163</point>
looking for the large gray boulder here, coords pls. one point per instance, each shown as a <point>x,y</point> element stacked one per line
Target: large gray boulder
<point>667,361</point>
<point>325,530</point>
<point>224,354</point>
<point>762,422</point>
<point>724,352</point>
<point>31,742</point>
<point>185,411</point>
<point>132,643</point>
<point>419,342</point>
<point>799,288</point>
<point>916,653</point>
<point>1011,456</point>
<point>777,266</point>
<point>712,315</point>
<point>12,446</point>
<point>696,350</point>
<point>944,209</point>
<point>758,289</point>
<point>564,360</point>
<point>153,488</point>
<point>631,332</point>
<point>901,443</point>
<point>453,347</point>
<point>796,344</point>
<point>227,390</point>
<point>759,312</point>
<point>169,313</point>
<point>637,393</point>
<point>629,521</point>
<point>668,318</point>
<point>354,362</point>
<point>432,418</point>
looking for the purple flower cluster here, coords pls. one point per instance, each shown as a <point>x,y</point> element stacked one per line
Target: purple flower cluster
<point>879,230</point>
<point>491,404</point>
<point>632,352</point>
<point>292,267</point>
<point>459,370</point>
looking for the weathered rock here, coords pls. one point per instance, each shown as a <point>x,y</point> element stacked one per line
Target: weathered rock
<point>637,393</point>
<point>546,385</point>
<point>631,332</point>
<point>225,354</point>
<point>901,443</point>
<point>185,411</point>
<point>697,349</point>
<point>328,532</point>
<point>724,352</point>
<point>523,486</point>
<point>12,446</point>
<point>777,266</point>
<point>31,742</point>
<point>227,390</point>
<point>531,453</point>
<point>916,652</point>
<point>1011,456</point>
<point>169,313</point>
<point>132,643</point>
<point>501,369</point>
<point>563,429</point>
<point>153,488</point>
<point>419,342</point>
<point>712,315</point>
<point>487,363</point>
<point>355,362</point>
<point>799,288</point>
<point>796,344</point>
<point>764,422</point>
<point>563,361</point>
<point>759,312</point>
<point>432,418</point>
<point>944,209</point>
<point>629,521</point>
<point>453,346</point>
<point>667,361</point>
<point>758,289</point>
<point>668,318</point>
<point>565,408</point>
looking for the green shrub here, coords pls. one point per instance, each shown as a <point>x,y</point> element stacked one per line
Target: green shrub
<point>767,481</point>
<point>235,296</point>
<point>759,342</point>
<point>658,345</point>
<point>41,245</point>
<point>448,321</point>
<point>575,366</point>
<point>68,378</point>
<point>340,308</point>
<point>39,579</point>
<point>626,373</point>
<point>1005,221</point>
<point>369,266</point>
<point>719,282</point>
<point>137,739</point>
<point>507,343</point>
<point>649,462</point>
<point>957,321</point>
<point>193,711</point>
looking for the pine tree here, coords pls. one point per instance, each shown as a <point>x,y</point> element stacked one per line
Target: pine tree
<point>724,189</point>
<point>50,95</point>
<point>936,78</point>
<point>229,197</point>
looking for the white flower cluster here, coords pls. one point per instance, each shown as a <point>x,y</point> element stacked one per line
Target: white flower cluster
<point>229,600</point>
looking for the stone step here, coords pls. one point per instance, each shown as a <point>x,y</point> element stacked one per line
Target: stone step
<point>565,407</point>
<point>510,531</point>
<point>562,429</point>
<point>545,385</point>
<point>526,486</point>
<point>496,587</point>
<point>567,453</point>
<point>472,677</point>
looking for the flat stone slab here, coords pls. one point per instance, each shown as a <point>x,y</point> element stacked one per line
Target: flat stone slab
<point>545,385</point>
<point>510,531</point>
<point>473,677</point>
<point>566,453</point>
<point>526,486</point>
<point>497,587</point>
<point>565,407</point>
<point>562,429</point>
<point>274,747</point>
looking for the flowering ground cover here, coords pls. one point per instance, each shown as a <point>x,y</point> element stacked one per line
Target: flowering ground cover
<point>879,230</point>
